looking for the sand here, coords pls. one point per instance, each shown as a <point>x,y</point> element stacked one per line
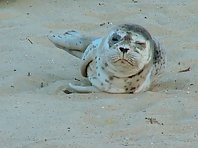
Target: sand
<point>34,110</point>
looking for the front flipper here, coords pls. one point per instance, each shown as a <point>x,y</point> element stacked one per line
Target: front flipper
<point>89,56</point>
<point>83,89</point>
<point>73,42</point>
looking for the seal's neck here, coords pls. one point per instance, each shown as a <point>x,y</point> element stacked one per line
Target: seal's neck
<point>126,72</point>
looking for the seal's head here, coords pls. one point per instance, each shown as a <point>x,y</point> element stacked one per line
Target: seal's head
<point>128,48</point>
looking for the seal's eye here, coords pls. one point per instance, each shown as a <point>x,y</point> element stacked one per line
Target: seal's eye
<point>141,44</point>
<point>115,38</point>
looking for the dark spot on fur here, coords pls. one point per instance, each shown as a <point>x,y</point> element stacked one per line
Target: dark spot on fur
<point>141,76</point>
<point>132,88</point>
<point>106,80</point>
<point>137,73</point>
<point>137,29</point>
<point>106,64</point>
<point>137,80</point>
<point>111,78</point>
<point>129,83</point>
<point>102,68</point>
<point>98,74</point>
<point>128,37</point>
<point>102,84</point>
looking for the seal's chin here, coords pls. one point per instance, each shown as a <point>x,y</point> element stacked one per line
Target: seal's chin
<point>125,65</point>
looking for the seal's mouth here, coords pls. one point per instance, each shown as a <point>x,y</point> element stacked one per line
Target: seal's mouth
<point>124,61</point>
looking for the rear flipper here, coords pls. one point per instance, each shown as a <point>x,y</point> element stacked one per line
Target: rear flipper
<point>83,89</point>
<point>73,42</point>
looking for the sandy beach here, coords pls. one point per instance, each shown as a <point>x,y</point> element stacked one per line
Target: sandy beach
<point>36,113</point>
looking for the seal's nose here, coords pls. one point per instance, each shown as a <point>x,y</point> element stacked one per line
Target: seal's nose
<point>124,50</point>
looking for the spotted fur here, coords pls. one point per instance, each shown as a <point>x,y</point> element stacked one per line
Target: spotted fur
<point>124,61</point>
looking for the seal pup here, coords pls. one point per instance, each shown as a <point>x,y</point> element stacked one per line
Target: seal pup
<point>126,60</point>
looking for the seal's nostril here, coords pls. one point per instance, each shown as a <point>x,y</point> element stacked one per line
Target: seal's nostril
<point>124,50</point>
<point>121,49</point>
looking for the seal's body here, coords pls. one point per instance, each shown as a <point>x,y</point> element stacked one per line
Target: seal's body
<point>125,61</point>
